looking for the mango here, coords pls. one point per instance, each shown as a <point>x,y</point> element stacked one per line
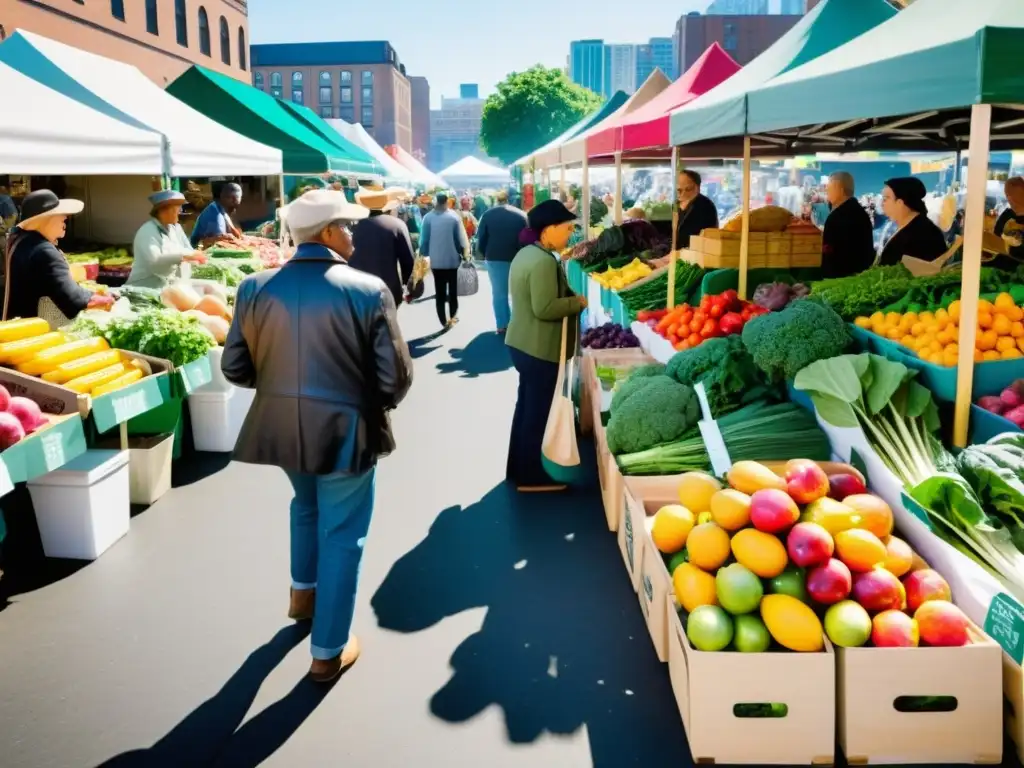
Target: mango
<point>749,477</point>
<point>761,552</point>
<point>792,624</point>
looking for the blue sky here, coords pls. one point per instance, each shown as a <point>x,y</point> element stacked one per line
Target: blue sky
<point>449,45</point>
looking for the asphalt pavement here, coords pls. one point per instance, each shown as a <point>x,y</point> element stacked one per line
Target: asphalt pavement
<point>497,630</point>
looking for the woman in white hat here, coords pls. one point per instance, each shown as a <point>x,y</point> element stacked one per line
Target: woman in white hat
<point>161,245</point>
<point>39,282</point>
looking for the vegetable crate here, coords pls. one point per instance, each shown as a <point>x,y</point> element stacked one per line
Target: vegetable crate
<point>921,705</point>
<point>753,708</point>
<point>631,542</point>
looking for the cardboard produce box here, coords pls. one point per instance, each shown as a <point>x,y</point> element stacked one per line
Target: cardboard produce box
<point>629,538</point>
<point>775,708</point>
<point>655,585</point>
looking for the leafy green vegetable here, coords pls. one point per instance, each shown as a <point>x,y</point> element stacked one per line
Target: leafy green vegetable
<point>224,273</point>
<point>782,343</point>
<point>656,409</point>
<point>727,371</point>
<point>995,471</point>
<point>163,333</point>
<point>654,293</point>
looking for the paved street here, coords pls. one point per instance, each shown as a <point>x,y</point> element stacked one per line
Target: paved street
<point>497,630</point>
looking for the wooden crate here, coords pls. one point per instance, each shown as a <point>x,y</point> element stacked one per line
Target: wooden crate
<point>779,243</point>
<point>731,247</point>
<point>807,244</point>
<point>805,259</point>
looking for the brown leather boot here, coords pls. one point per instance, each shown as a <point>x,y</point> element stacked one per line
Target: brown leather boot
<point>321,671</point>
<point>301,606</point>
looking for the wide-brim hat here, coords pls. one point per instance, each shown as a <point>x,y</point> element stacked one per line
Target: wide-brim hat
<point>380,199</point>
<point>550,213</point>
<point>320,207</point>
<point>166,197</point>
<point>42,204</point>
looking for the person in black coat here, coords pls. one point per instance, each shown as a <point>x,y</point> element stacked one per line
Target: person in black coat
<point>35,269</point>
<point>497,240</point>
<point>848,241</point>
<point>1011,225</point>
<point>916,234</point>
<point>382,243</point>
<point>696,212</point>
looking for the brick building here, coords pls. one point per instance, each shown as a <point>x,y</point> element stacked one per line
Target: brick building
<point>743,37</point>
<point>420,118</point>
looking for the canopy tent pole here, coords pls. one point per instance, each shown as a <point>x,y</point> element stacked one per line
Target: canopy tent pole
<point>283,200</point>
<point>745,230</point>
<point>618,187</point>
<point>561,180</point>
<point>974,225</point>
<point>585,201</point>
<point>674,255</point>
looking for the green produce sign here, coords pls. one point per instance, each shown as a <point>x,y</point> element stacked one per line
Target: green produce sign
<point>1004,623</point>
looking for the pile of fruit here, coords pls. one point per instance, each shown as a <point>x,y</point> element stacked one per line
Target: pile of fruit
<point>1009,403</point>
<point>617,279</point>
<point>934,336</point>
<point>609,336</point>
<point>686,327</point>
<point>19,417</point>
<point>751,570</point>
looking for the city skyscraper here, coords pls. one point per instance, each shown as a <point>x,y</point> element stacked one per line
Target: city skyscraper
<point>620,69</point>
<point>738,8</point>
<point>791,7</point>
<point>657,53</point>
<point>586,64</point>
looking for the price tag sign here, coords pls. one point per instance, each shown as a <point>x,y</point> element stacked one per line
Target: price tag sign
<point>1004,623</point>
<point>712,435</point>
<point>627,522</point>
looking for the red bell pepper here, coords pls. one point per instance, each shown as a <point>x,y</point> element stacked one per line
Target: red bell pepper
<point>731,322</point>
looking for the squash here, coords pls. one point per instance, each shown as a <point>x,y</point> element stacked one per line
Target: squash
<point>14,330</point>
<point>17,352</point>
<point>768,218</point>
<point>119,383</point>
<point>213,306</point>
<point>217,326</point>
<point>85,384</point>
<point>48,359</point>
<point>180,297</point>
<point>83,365</point>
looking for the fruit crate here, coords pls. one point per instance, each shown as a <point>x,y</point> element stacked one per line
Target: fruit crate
<point>774,708</point>
<point>629,537</point>
<point>655,583</point>
<point>883,720</point>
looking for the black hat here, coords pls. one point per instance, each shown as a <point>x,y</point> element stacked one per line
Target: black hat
<point>550,213</point>
<point>43,203</point>
<point>911,191</point>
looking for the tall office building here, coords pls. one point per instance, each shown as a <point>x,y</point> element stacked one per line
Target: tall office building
<point>738,8</point>
<point>743,37</point>
<point>791,7</point>
<point>420,117</point>
<point>586,64</point>
<point>620,69</point>
<point>455,128</point>
<point>657,53</point>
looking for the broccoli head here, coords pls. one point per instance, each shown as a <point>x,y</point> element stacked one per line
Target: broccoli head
<point>727,371</point>
<point>782,343</point>
<point>634,381</point>
<point>659,410</point>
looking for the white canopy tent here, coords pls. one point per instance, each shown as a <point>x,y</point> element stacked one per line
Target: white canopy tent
<point>51,134</point>
<point>354,132</point>
<point>472,172</point>
<point>194,145</point>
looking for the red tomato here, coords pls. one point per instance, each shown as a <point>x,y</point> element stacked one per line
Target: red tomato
<point>716,311</point>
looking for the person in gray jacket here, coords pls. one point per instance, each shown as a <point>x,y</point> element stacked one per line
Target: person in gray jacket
<point>497,239</point>
<point>320,344</point>
<point>443,240</point>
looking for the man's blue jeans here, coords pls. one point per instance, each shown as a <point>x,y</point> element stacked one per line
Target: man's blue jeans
<point>497,272</point>
<point>330,516</point>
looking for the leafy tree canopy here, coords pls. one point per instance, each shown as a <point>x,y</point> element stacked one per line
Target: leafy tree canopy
<point>529,109</point>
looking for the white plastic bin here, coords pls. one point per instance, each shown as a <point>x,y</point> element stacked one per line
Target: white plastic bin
<point>83,507</point>
<point>217,417</point>
<point>217,381</point>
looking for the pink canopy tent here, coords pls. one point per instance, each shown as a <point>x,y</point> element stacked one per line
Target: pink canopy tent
<point>647,128</point>
<point>421,174</point>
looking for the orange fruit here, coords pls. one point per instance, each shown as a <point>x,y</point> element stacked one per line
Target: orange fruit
<point>917,328</point>
<point>899,557</point>
<point>671,527</point>
<point>761,552</point>
<point>990,355</point>
<point>1003,343</point>
<point>875,515</point>
<point>954,311</point>
<point>862,322</point>
<point>1004,302</point>
<point>987,340</point>
<point>708,546</point>
<point>978,357</point>
<point>730,509</point>
<point>1017,329</point>
<point>1001,324</point>
<point>984,319</point>
<point>860,550</point>
<point>1011,354</point>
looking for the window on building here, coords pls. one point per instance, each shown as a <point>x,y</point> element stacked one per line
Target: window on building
<point>347,113</point>
<point>243,50</point>
<point>367,117</point>
<point>117,9</point>
<point>181,22</point>
<point>257,80</point>
<point>204,32</point>
<point>297,79</point>
<point>225,42</point>
<point>367,96</point>
<point>367,76</point>
<point>152,24</point>
<point>325,94</point>
<point>346,94</point>
<point>275,79</point>
<point>325,79</point>
<point>276,93</point>
<point>346,77</point>
<point>297,96</point>
<point>729,41</point>
<point>326,112</point>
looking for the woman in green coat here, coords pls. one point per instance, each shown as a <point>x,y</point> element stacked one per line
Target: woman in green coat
<point>541,299</point>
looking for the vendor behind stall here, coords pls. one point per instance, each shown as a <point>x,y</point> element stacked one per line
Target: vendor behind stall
<point>696,212</point>
<point>39,282</point>
<point>1010,225</point>
<point>848,243</point>
<point>161,245</point>
<point>916,235</point>
<point>214,224</point>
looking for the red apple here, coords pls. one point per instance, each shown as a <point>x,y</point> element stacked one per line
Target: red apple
<point>925,585</point>
<point>878,590</point>
<point>942,623</point>
<point>844,484</point>
<point>829,583</point>
<point>894,629</point>
<point>809,544</point>
<point>772,510</point>
<point>805,481</point>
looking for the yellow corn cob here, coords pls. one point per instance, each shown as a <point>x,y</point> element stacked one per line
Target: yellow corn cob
<point>120,382</point>
<point>13,330</point>
<point>84,384</point>
<point>82,366</point>
<point>48,359</point>
<point>17,352</point>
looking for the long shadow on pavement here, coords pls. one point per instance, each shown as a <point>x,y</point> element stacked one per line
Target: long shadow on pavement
<point>563,643</point>
<point>485,354</point>
<point>210,735</point>
<point>422,345</point>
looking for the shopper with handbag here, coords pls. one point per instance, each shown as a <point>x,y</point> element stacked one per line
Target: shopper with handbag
<point>443,240</point>
<point>541,334</point>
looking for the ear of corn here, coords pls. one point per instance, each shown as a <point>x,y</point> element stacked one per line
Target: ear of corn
<point>48,359</point>
<point>23,350</point>
<point>83,365</point>
<point>13,330</point>
<point>85,384</point>
<point>120,382</point>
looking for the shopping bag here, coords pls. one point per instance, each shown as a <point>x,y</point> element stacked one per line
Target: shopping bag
<point>559,452</point>
<point>467,281</point>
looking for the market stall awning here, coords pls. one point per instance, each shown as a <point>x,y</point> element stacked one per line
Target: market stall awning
<point>936,55</point>
<point>323,129</point>
<point>606,110</point>
<point>253,113</point>
<point>473,172</point>
<point>722,112</point>
<point>355,133</point>
<point>420,172</point>
<point>194,146</point>
<point>49,133</point>
<point>574,151</point>
<point>648,126</point>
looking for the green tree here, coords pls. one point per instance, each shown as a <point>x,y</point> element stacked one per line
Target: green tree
<point>528,109</point>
